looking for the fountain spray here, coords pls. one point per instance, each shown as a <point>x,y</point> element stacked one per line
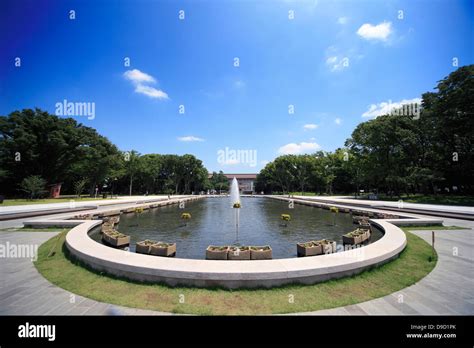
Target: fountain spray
<point>235,200</point>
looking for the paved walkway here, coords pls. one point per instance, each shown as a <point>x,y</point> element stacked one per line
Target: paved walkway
<point>104,206</point>
<point>77,203</point>
<point>378,204</point>
<point>447,290</point>
<point>23,291</point>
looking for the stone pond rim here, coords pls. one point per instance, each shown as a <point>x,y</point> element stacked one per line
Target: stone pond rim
<point>236,274</point>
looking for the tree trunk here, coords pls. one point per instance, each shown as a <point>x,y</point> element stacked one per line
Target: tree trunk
<point>131,184</point>
<point>92,189</point>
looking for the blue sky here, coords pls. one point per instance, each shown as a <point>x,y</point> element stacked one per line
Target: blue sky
<point>334,61</point>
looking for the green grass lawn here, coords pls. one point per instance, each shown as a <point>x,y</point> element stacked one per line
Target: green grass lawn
<point>10,202</point>
<point>415,262</point>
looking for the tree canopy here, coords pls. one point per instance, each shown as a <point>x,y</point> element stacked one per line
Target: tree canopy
<point>394,153</point>
<point>37,145</point>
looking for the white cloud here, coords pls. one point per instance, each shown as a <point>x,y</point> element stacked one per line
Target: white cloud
<point>142,81</point>
<point>294,149</point>
<point>338,121</point>
<point>190,138</point>
<point>138,76</point>
<point>385,108</point>
<point>151,92</point>
<point>342,20</point>
<point>310,126</point>
<point>375,32</point>
<point>264,162</point>
<point>337,63</point>
<point>338,60</point>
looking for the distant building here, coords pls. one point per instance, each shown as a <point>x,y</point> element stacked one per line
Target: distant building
<point>246,181</point>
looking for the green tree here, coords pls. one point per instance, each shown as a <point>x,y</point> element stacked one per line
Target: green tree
<point>33,142</point>
<point>219,182</point>
<point>133,166</point>
<point>33,185</point>
<point>79,186</point>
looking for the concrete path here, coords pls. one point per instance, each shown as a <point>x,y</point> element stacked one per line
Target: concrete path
<point>106,205</point>
<point>23,291</point>
<point>377,203</point>
<point>447,290</point>
<point>77,203</point>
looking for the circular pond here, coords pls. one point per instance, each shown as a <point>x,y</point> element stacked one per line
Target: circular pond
<point>213,223</point>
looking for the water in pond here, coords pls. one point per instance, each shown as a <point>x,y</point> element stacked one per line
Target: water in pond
<point>213,223</point>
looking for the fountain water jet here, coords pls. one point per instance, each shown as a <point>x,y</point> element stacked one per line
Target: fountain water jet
<point>235,201</point>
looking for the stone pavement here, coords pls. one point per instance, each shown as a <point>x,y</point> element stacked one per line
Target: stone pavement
<point>447,290</point>
<point>377,203</point>
<point>79,203</point>
<point>23,291</point>
<point>119,203</point>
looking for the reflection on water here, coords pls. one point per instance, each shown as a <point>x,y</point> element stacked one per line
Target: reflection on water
<point>213,223</point>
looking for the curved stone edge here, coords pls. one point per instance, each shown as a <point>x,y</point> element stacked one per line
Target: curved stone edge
<point>239,274</point>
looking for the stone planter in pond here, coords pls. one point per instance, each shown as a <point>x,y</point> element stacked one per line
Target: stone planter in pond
<point>163,249</point>
<point>387,216</point>
<point>109,213</point>
<point>309,249</point>
<point>365,234</point>
<point>83,217</point>
<point>115,219</point>
<point>214,252</point>
<point>260,252</point>
<point>357,219</point>
<point>115,239</point>
<point>144,247</point>
<point>107,227</point>
<point>364,225</point>
<point>238,253</point>
<point>328,246</point>
<point>354,237</point>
